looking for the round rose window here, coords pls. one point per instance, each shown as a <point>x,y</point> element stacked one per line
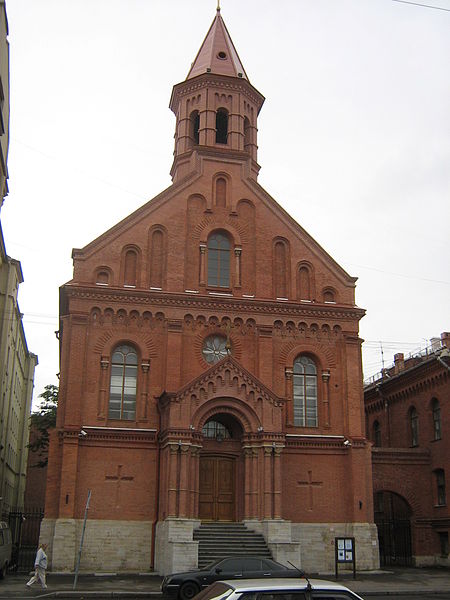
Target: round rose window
<point>215,348</point>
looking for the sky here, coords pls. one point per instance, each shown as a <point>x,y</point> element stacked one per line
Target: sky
<point>354,141</point>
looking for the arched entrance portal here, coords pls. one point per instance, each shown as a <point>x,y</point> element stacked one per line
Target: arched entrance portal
<point>393,520</point>
<point>220,471</point>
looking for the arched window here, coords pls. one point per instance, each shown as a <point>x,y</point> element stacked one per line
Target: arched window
<point>157,259</point>
<point>247,132</point>
<point>304,283</point>
<point>414,426</point>
<point>440,487</point>
<point>130,268</point>
<point>328,295</point>
<point>102,277</point>
<point>305,392</point>
<point>218,260</point>
<point>376,434</point>
<point>221,192</point>
<point>280,274</point>
<point>436,419</point>
<point>122,391</point>
<point>216,430</point>
<point>195,126</point>
<point>222,126</point>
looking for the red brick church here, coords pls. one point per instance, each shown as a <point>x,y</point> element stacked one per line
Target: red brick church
<point>210,363</point>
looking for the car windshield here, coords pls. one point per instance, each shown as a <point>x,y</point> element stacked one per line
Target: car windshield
<point>216,591</point>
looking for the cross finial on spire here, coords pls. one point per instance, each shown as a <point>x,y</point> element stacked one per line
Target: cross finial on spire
<point>218,5</point>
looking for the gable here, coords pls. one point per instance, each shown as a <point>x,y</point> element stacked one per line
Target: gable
<point>226,386</point>
<point>163,243</point>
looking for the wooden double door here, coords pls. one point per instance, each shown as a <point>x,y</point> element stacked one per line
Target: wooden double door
<point>217,488</point>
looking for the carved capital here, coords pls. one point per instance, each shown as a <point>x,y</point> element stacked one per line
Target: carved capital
<point>325,376</point>
<point>104,362</point>
<point>288,372</point>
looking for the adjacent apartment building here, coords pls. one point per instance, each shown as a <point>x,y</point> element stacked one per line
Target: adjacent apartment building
<point>17,364</point>
<point>408,421</point>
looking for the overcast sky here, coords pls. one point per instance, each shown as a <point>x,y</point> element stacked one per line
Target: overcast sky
<point>354,141</point>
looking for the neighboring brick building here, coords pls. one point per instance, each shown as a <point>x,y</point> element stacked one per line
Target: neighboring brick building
<point>408,420</point>
<point>210,363</point>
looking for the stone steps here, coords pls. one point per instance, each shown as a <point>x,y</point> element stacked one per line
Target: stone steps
<point>219,540</point>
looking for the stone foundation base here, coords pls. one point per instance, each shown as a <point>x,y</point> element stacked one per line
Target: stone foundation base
<point>176,549</point>
<point>317,545</point>
<point>278,536</point>
<point>120,546</point>
<point>109,546</point>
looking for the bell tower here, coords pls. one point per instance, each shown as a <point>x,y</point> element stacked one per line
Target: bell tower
<point>216,107</point>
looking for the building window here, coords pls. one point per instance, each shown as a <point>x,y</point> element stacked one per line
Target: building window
<point>221,192</point>
<point>215,347</point>
<point>247,134</point>
<point>130,269</point>
<point>102,278</point>
<point>215,430</point>
<point>122,391</point>
<point>305,283</point>
<point>376,436</point>
<point>305,392</point>
<point>414,427</point>
<point>443,541</point>
<point>329,295</point>
<point>157,259</point>
<point>222,126</point>
<point>195,126</point>
<point>436,419</point>
<point>219,260</point>
<point>440,487</point>
<point>280,269</point>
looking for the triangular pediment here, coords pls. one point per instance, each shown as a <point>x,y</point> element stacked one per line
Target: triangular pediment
<point>227,378</point>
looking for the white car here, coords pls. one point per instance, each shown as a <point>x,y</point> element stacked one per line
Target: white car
<point>277,589</point>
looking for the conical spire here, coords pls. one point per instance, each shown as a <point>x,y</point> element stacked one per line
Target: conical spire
<point>217,54</point>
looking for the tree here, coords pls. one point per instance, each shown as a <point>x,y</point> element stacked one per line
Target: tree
<point>42,420</point>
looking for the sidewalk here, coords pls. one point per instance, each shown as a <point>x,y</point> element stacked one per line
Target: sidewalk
<point>396,582</point>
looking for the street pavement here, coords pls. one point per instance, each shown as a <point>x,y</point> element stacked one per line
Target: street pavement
<point>404,582</point>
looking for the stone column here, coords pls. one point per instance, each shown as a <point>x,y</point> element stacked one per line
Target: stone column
<point>326,396</point>
<point>202,264</point>
<point>267,510</point>
<point>184,470</point>
<point>101,405</point>
<point>277,478</point>
<point>254,485</point>
<point>142,412</point>
<point>248,480</point>
<point>173,492</point>
<point>288,392</point>
<point>237,254</point>
<point>193,479</point>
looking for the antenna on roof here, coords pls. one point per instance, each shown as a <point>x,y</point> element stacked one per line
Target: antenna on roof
<point>301,573</point>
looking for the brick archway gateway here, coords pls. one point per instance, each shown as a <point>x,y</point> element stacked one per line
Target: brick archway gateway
<point>393,520</point>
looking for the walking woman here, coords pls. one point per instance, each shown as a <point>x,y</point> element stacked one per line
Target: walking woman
<point>40,566</point>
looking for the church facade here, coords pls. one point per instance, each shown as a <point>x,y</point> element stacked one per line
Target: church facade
<point>210,363</point>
